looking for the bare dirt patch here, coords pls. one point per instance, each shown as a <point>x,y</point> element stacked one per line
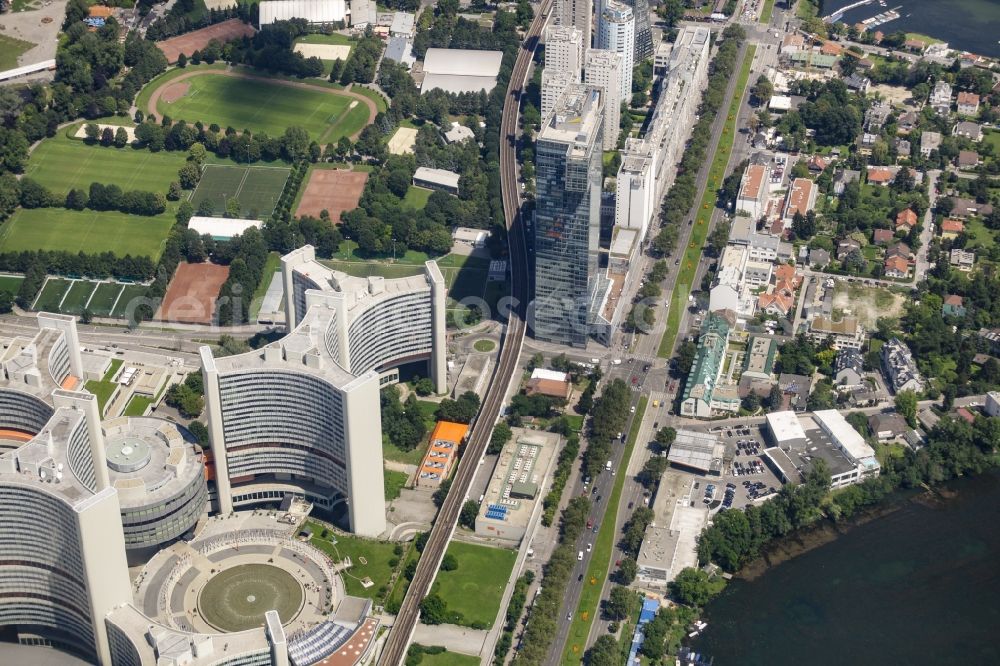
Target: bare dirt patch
<point>868,304</point>
<point>191,295</point>
<point>175,91</point>
<point>199,39</point>
<point>337,190</point>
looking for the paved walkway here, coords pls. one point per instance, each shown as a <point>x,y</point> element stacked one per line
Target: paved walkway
<point>452,637</point>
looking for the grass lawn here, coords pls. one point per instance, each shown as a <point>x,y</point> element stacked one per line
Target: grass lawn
<point>262,106</point>
<point>77,297</point>
<point>402,583</point>
<point>104,298</point>
<point>137,405</point>
<point>766,11</point>
<point>10,283</point>
<point>475,588</point>
<point>416,198</point>
<point>103,391</point>
<point>804,9</point>
<point>448,659</point>
<point>61,164</point>
<point>51,295</point>
<point>484,345</point>
<point>10,49</point>
<point>394,483</point>
<point>377,554</point>
<point>992,137</point>
<point>86,231</point>
<point>129,292</point>
<point>112,369</point>
<point>336,39</point>
<point>600,563</point>
<point>979,235</point>
<point>926,39</point>
<point>692,254</point>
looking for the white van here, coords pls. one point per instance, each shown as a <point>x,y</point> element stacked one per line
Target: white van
<point>607,466</point>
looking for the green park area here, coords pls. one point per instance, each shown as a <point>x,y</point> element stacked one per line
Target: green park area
<point>63,163</point>
<point>412,456</point>
<point>104,387</point>
<point>600,561</point>
<point>475,587</point>
<point>699,232</point>
<point>265,106</point>
<point>394,483</point>
<point>137,405</point>
<point>416,198</point>
<point>87,231</point>
<point>10,50</point>
<point>370,559</point>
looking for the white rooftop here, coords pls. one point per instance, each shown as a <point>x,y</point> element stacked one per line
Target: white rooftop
<point>542,373</point>
<point>438,176</point>
<point>221,228</point>
<point>785,426</point>
<point>313,11</point>
<point>460,70</point>
<point>844,434</point>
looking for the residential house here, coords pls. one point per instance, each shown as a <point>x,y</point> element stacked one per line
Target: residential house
<point>907,121</point>
<point>859,83</point>
<point>899,368</point>
<point>968,103</point>
<point>882,236</point>
<point>915,45</point>
<point>846,333</point>
<point>967,159</point>
<point>846,246</point>
<point>831,48</point>
<point>951,228</point>
<point>900,250</point>
<point>887,426</point>
<point>896,267</point>
<point>866,142</point>
<point>848,368</point>
<point>962,259</point>
<point>795,389</point>
<point>778,303</point>
<point>876,116</point>
<point>929,142</point>
<point>842,178</point>
<point>881,176</point>
<point>801,199</point>
<point>702,396</point>
<point>992,338</point>
<point>816,164</point>
<point>906,220</point>
<point>969,130</point>
<point>940,99</point>
<point>903,148</point>
<point>819,258</point>
<point>964,208</point>
<point>953,306</point>
<point>786,273</point>
<point>752,197</point>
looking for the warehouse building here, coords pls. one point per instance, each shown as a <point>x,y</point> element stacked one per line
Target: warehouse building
<point>700,452</point>
<point>436,179</point>
<point>315,12</point>
<point>460,70</point>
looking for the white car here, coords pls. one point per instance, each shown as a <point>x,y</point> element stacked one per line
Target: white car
<point>589,546</point>
<point>579,556</point>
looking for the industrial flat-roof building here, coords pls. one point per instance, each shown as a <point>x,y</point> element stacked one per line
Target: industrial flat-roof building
<point>460,70</point>
<point>436,179</point>
<point>221,228</point>
<point>697,451</point>
<point>316,12</point>
<point>669,547</point>
<point>442,449</point>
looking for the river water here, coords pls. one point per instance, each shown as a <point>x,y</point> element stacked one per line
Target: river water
<point>970,25</point>
<point>920,585</point>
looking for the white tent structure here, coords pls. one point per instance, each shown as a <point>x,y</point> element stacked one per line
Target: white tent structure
<point>313,11</point>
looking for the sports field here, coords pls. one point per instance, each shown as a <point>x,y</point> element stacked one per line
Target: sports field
<point>103,299</point>
<point>256,188</point>
<point>263,106</point>
<point>85,231</point>
<point>62,164</point>
<point>236,599</point>
<point>475,588</point>
<point>10,283</point>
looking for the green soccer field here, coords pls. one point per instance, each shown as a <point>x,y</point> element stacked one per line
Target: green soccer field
<point>85,231</point>
<point>51,295</point>
<point>104,299</point>
<point>62,164</point>
<point>77,297</point>
<point>129,292</point>
<point>10,283</point>
<point>256,188</point>
<point>261,106</point>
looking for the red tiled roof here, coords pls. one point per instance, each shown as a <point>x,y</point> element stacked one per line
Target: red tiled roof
<point>953,299</point>
<point>952,226</point>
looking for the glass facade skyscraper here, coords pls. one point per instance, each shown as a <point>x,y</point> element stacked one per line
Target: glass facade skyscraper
<point>567,216</point>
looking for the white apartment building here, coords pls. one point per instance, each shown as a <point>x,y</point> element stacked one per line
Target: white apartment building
<point>617,33</point>
<point>752,198</point>
<point>940,99</point>
<point>554,84</point>
<point>602,70</point>
<point>301,415</point>
<point>577,14</point>
<point>649,164</point>
<point>564,49</point>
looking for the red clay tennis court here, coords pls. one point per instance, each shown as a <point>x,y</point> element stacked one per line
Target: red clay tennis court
<point>336,190</point>
<point>191,295</point>
<point>199,39</point>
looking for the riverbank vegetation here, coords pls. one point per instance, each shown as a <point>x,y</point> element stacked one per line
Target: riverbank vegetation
<point>955,448</point>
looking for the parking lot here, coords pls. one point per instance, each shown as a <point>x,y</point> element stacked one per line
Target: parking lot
<point>746,478</point>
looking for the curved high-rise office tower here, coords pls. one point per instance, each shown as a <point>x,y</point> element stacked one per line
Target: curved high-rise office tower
<point>301,415</point>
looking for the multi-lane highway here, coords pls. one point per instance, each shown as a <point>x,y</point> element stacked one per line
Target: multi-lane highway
<point>396,643</point>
